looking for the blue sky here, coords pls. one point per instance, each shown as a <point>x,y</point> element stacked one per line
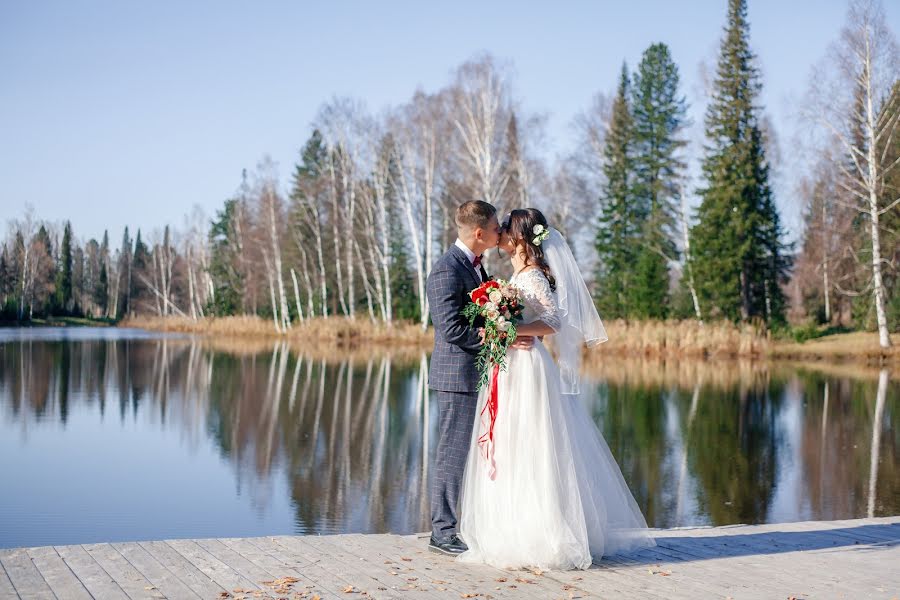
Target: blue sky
<point>115,113</point>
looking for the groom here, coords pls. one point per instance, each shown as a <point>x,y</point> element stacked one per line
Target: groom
<point>453,375</point>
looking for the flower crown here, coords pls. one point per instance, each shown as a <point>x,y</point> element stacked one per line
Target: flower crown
<point>540,234</point>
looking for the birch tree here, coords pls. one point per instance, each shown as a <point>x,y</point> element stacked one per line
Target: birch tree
<point>848,91</point>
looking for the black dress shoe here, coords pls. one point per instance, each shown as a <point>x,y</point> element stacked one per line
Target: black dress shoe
<point>452,546</point>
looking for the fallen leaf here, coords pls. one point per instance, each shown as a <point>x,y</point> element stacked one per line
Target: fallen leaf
<point>349,590</point>
<point>501,579</point>
<point>224,594</point>
<point>438,581</point>
<point>523,580</point>
<point>406,559</point>
<point>149,587</point>
<point>537,572</point>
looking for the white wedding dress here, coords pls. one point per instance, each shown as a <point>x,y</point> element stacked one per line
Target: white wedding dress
<point>558,499</point>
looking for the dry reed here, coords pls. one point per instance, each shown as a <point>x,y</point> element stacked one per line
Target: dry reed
<point>655,339</point>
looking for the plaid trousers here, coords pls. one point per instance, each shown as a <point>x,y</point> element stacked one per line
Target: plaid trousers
<point>456,421</point>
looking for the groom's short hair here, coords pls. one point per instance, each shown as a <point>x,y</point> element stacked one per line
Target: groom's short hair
<point>473,214</point>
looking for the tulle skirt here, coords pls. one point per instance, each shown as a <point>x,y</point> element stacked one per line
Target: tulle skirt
<point>557,499</point>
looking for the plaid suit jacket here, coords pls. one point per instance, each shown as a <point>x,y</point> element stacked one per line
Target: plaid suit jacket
<point>456,343</point>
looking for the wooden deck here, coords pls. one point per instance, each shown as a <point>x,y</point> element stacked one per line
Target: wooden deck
<point>836,559</point>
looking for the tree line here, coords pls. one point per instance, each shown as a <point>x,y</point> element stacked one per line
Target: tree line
<point>370,203</point>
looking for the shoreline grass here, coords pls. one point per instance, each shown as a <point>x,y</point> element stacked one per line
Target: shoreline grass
<point>652,339</point>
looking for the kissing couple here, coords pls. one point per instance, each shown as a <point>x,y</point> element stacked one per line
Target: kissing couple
<point>552,495</point>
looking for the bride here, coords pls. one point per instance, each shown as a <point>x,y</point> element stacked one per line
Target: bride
<point>544,490</point>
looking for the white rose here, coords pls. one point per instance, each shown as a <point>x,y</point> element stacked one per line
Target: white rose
<point>492,314</point>
<point>503,324</point>
<point>489,306</point>
<point>495,296</point>
<point>538,229</point>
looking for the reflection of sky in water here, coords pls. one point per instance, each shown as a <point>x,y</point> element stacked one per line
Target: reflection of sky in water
<point>131,437</point>
<point>789,502</point>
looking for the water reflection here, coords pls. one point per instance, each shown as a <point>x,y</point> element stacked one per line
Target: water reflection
<point>168,437</point>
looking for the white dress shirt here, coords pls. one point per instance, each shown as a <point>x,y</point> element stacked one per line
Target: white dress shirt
<point>470,255</point>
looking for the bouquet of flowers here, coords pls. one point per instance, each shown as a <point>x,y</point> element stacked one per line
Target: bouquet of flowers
<point>499,304</point>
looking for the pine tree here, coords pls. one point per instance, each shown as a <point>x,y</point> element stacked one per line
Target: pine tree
<point>227,278</point>
<point>101,293</point>
<point>615,241</point>
<point>739,259</point>
<point>658,112</point>
<point>125,265</point>
<point>63,296</point>
<point>139,264</point>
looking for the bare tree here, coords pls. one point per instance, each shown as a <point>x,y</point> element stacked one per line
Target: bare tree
<point>847,94</point>
<point>481,110</point>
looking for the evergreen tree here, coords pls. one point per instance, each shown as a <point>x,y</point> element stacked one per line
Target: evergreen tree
<point>64,302</point>
<point>227,278</point>
<point>101,293</point>
<point>739,259</point>
<point>658,114</point>
<point>616,239</point>
<point>139,263</point>
<point>125,263</point>
<point>515,194</point>
<point>405,304</point>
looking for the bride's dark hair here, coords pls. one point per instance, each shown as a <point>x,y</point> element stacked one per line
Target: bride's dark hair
<point>519,224</point>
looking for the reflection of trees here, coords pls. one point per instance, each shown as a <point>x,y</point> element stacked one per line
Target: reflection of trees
<point>850,446</point>
<point>732,448</point>
<point>352,433</point>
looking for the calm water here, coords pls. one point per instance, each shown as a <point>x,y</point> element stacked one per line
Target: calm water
<point>111,435</point>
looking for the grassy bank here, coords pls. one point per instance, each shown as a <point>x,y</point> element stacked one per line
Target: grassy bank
<point>334,330</point>
<point>665,339</point>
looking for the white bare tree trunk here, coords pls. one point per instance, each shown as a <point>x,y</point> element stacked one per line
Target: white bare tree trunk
<point>276,257</point>
<point>192,297</point>
<point>874,186</point>
<point>297,296</point>
<point>688,269</point>
<point>826,242</point>
<point>335,230</point>
<point>270,277</point>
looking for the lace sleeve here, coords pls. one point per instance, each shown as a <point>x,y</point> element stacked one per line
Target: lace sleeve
<point>536,290</point>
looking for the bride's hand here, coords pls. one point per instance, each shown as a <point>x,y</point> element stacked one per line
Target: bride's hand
<point>523,342</point>
<point>481,334</point>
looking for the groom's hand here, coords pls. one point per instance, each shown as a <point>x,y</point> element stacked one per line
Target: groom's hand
<point>523,342</point>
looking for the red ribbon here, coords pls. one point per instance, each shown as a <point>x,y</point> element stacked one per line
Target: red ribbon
<point>486,441</point>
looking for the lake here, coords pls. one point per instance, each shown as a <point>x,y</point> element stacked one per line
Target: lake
<point>120,435</point>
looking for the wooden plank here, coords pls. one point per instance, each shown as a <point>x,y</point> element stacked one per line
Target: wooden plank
<point>471,578</point>
<point>212,567</point>
<point>92,576</point>
<point>123,572</point>
<point>57,574</point>
<point>182,568</point>
<point>267,559</point>
<point>340,577</point>
<point>370,574</point>
<point>323,578</point>
<point>24,575</point>
<point>158,575</point>
<point>235,561</point>
<point>7,591</point>
<point>378,559</point>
